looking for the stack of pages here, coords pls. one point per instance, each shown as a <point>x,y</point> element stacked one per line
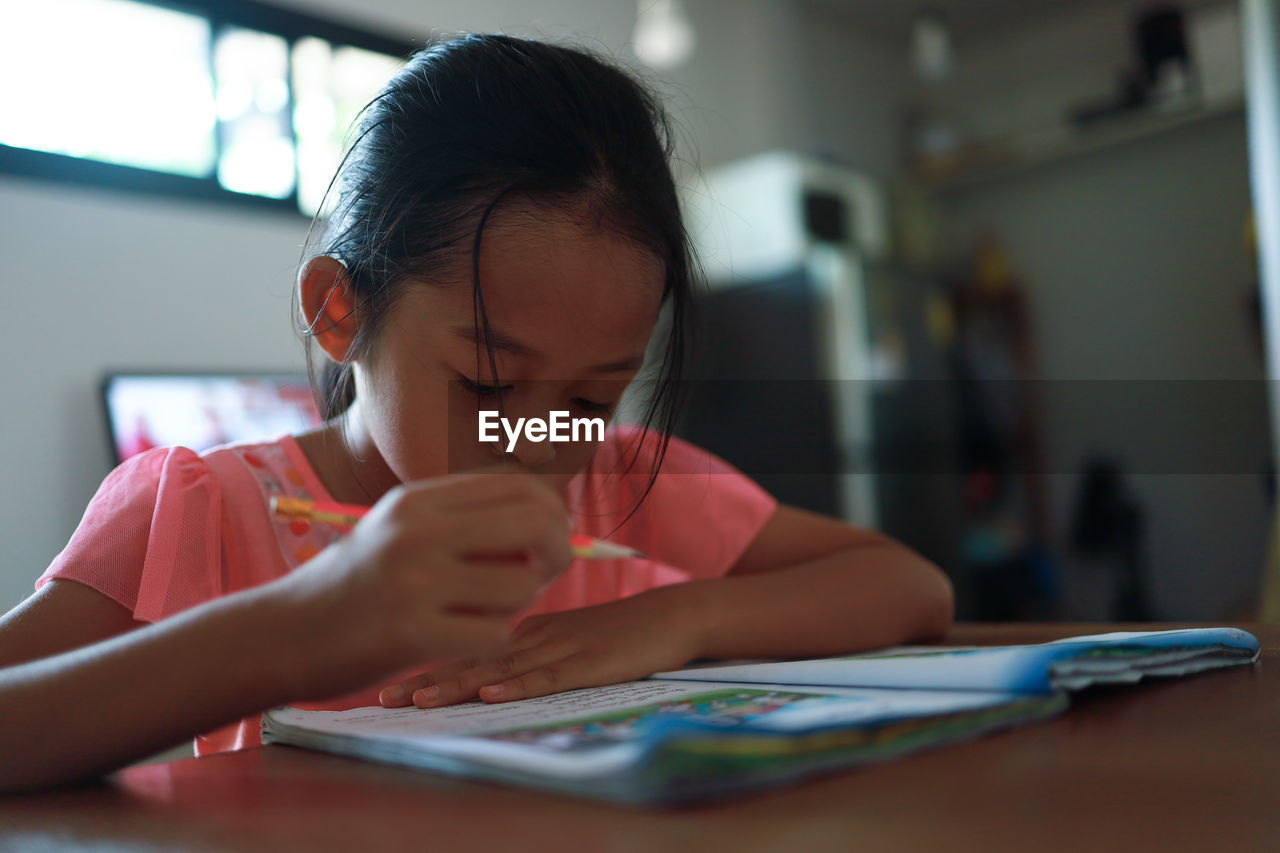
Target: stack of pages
<point>714,730</point>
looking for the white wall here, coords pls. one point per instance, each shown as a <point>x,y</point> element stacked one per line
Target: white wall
<point>1024,79</point>
<point>100,280</point>
<point>775,74</point>
<point>1136,269</point>
<point>1135,263</point>
<point>604,23</point>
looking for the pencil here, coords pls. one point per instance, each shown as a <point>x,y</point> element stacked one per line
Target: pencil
<point>347,515</point>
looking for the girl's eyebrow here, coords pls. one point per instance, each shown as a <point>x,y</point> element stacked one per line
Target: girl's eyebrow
<point>499,341</point>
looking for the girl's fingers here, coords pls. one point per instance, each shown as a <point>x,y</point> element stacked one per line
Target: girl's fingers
<point>458,680</point>
<point>519,645</point>
<point>398,695</point>
<point>552,678</point>
<point>459,685</point>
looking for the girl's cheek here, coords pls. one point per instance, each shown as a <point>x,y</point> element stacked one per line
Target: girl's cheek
<point>571,462</point>
<point>461,418</point>
<point>467,454</point>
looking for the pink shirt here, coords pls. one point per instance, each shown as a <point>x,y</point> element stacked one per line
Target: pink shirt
<point>170,529</point>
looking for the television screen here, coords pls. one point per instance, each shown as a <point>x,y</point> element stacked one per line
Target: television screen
<point>201,411</point>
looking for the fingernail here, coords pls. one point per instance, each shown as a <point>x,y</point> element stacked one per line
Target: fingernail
<point>426,695</point>
<point>393,694</point>
<point>492,692</point>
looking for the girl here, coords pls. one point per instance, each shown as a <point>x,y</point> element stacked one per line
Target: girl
<point>504,234</point>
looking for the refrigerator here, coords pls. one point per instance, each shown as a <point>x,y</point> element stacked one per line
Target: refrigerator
<point>813,369</point>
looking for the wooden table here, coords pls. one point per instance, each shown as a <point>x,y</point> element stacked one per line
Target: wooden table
<point>1183,764</point>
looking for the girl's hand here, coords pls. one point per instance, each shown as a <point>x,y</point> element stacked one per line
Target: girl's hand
<point>435,570</point>
<point>605,644</point>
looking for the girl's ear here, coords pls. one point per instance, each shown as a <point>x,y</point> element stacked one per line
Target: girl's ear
<point>328,306</point>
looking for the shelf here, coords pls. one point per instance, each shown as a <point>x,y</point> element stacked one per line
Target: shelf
<point>996,159</point>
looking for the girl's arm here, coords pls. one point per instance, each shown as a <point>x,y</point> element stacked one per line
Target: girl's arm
<point>809,585</point>
<point>70,714</point>
<point>806,586</point>
<point>404,587</point>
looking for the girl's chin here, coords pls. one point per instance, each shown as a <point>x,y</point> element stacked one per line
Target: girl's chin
<point>492,463</point>
<point>488,465</point>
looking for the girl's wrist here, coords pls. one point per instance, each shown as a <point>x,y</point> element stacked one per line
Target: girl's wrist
<point>312,659</point>
<point>690,608</point>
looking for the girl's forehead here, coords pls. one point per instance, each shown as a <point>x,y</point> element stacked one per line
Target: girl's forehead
<point>555,285</point>
<point>532,264</point>
<point>573,231</point>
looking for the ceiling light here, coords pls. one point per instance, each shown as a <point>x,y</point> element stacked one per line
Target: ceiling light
<point>664,36</point>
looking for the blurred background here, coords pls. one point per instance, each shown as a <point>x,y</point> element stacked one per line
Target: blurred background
<point>981,272</point>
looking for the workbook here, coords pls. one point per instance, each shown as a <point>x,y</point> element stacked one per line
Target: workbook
<point>714,730</point>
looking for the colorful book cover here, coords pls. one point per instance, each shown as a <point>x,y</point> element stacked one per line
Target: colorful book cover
<point>712,731</point>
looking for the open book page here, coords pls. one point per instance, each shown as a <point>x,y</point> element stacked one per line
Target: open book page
<point>625,741</point>
<point>1071,663</point>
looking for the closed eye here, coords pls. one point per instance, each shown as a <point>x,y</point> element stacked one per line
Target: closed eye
<point>481,390</point>
<point>591,406</point>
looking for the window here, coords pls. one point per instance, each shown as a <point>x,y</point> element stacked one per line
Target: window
<point>146,100</point>
<point>332,83</point>
<point>227,100</point>
<point>255,136</point>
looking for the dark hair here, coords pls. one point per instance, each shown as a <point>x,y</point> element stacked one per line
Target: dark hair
<point>478,121</point>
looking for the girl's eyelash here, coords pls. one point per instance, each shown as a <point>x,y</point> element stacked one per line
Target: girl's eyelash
<point>492,390</point>
<point>481,390</point>
<point>591,406</point>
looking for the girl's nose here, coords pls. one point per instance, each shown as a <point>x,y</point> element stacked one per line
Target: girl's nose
<point>530,453</point>
<point>534,454</point>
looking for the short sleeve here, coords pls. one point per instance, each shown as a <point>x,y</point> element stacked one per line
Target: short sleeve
<point>150,538</point>
<point>699,514</point>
